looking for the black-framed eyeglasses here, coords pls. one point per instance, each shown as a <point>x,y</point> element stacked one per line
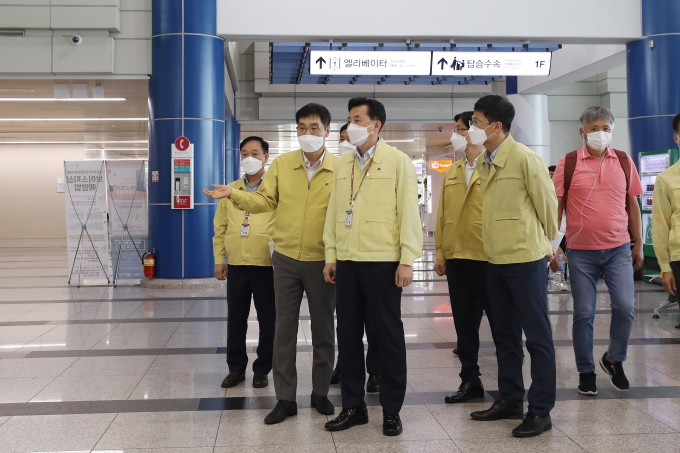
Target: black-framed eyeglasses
<point>314,129</point>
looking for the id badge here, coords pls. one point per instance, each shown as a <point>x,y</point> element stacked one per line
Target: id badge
<point>348,219</point>
<point>245,230</point>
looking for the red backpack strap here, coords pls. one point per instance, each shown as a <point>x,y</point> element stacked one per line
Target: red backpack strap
<point>569,167</point>
<point>625,165</point>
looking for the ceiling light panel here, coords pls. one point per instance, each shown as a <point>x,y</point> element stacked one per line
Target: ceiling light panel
<point>72,142</point>
<point>17,90</point>
<point>62,100</point>
<point>19,120</point>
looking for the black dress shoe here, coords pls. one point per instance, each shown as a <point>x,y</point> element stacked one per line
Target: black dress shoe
<point>373,384</point>
<point>323,405</point>
<point>335,377</point>
<point>347,419</point>
<point>500,410</point>
<point>233,379</point>
<point>392,425</point>
<point>455,351</point>
<point>466,391</point>
<point>282,410</point>
<point>260,380</point>
<point>532,425</point>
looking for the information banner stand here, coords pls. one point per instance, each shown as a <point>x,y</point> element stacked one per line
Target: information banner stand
<point>88,247</point>
<point>126,180</point>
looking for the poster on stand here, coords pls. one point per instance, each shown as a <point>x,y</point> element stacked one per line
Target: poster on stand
<point>128,214</point>
<point>87,236</point>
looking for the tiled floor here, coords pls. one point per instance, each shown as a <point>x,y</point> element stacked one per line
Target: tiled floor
<point>102,369</point>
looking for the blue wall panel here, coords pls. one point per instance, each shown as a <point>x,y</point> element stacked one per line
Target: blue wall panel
<point>166,17</point>
<point>206,54</point>
<point>654,78</point>
<point>201,17</point>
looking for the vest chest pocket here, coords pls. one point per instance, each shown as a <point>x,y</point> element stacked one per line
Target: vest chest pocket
<point>454,181</point>
<point>383,188</point>
<point>508,178</point>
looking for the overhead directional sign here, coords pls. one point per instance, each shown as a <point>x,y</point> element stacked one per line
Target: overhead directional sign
<point>337,62</point>
<point>491,63</point>
<point>379,63</point>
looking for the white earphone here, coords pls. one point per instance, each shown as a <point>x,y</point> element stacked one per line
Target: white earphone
<point>587,198</point>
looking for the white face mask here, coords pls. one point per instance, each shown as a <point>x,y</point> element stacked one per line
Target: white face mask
<point>251,165</point>
<point>458,141</point>
<point>311,143</point>
<point>478,136</point>
<point>358,134</point>
<point>346,147</point>
<point>599,140</point>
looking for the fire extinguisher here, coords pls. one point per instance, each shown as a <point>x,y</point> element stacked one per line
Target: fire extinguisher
<point>149,263</point>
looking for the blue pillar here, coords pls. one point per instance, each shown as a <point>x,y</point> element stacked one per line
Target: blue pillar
<point>654,78</point>
<point>232,161</point>
<point>186,97</point>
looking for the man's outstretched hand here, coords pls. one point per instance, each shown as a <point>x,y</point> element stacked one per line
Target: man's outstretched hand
<point>219,191</point>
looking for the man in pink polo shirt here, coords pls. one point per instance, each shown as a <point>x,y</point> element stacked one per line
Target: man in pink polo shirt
<point>600,212</point>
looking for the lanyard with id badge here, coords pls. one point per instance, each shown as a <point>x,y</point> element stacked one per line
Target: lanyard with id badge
<point>348,214</point>
<point>245,228</point>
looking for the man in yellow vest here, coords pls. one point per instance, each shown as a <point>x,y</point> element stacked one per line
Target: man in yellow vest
<point>298,185</point>
<point>244,238</point>
<point>372,355</point>
<point>372,237</point>
<point>460,256</point>
<point>519,223</point>
<point>665,211</point>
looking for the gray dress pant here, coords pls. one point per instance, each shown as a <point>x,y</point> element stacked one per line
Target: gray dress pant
<point>291,279</point>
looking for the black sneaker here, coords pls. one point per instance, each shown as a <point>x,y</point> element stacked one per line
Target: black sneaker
<point>615,373</point>
<point>587,384</point>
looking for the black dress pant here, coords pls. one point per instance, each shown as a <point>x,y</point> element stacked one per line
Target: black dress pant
<point>675,267</point>
<point>518,299</point>
<point>366,290</point>
<point>468,294</point>
<point>372,355</point>
<point>244,282</point>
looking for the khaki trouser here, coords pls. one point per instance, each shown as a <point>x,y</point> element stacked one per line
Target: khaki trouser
<point>291,279</point>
